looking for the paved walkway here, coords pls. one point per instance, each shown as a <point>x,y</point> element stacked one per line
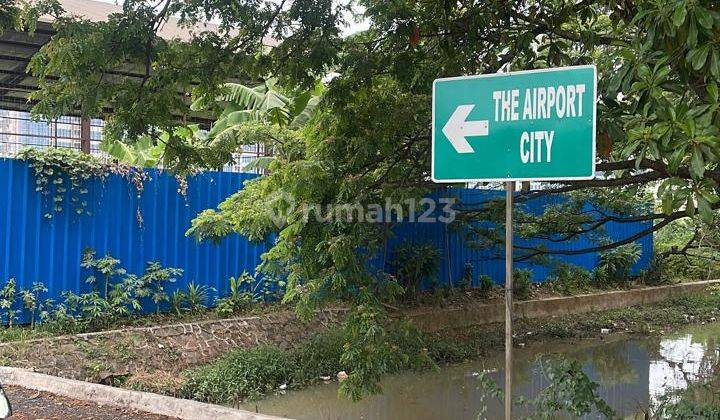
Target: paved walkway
<point>29,404</point>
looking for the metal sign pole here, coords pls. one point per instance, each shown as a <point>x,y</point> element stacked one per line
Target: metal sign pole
<point>509,190</point>
<point>498,127</point>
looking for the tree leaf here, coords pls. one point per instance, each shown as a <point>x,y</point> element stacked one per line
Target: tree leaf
<point>713,90</point>
<point>667,203</point>
<point>690,207</point>
<point>697,163</point>
<point>678,17</point>
<point>706,213</point>
<point>692,35</point>
<point>700,57</point>
<point>714,63</point>
<point>703,17</point>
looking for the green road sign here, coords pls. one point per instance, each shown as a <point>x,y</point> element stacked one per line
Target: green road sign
<point>536,125</point>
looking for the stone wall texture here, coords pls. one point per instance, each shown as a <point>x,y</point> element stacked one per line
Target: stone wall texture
<point>99,356</point>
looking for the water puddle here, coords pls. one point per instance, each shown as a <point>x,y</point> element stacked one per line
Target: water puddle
<point>634,374</point>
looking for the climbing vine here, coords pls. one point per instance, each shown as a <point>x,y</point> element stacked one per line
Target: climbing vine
<point>63,174</point>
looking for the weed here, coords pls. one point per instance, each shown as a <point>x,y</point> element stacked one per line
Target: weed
<point>7,301</point>
<point>569,279</point>
<point>241,374</point>
<point>414,263</point>
<point>155,278</point>
<point>486,284</point>
<point>522,284</point>
<point>615,264</point>
<point>467,277</point>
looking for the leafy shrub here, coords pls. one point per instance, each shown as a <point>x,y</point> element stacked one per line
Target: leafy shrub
<point>615,264</point>
<point>522,283</point>
<point>414,263</point>
<point>467,277</point>
<point>60,320</point>
<point>240,375</point>
<point>7,301</point>
<point>319,356</point>
<point>108,267</point>
<point>485,284</point>
<point>177,300</point>
<point>193,299</point>
<point>569,279</point>
<point>154,279</point>
<point>238,298</point>
<point>32,302</point>
<point>90,308</point>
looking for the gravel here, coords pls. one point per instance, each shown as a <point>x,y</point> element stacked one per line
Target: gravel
<point>29,404</point>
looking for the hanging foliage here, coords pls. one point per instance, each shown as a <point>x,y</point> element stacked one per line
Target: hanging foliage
<point>63,175</point>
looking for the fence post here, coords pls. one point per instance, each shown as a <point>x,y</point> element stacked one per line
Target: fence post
<point>85,135</point>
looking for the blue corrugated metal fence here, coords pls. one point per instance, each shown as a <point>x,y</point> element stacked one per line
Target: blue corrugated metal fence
<point>456,251</point>
<point>33,248</point>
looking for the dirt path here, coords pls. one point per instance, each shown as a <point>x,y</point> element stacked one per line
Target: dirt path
<point>29,404</point>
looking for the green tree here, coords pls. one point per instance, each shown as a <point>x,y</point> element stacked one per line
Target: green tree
<point>658,114</point>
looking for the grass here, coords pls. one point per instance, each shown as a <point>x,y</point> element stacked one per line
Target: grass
<point>21,333</point>
<point>50,329</point>
<point>249,374</point>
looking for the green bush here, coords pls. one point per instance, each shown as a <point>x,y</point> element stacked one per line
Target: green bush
<point>194,299</point>
<point>615,264</point>
<point>249,374</point>
<point>414,263</point>
<point>320,356</point>
<point>240,375</point>
<point>244,375</point>
<point>522,283</point>
<point>485,284</point>
<point>467,277</point>
<point>238,299</point>
<point>569,279</point>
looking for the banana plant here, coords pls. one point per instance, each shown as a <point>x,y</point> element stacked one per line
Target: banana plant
<point>237,106</point>
<point>266,102</point>
<point>149,153</point>
<point>241,104</point>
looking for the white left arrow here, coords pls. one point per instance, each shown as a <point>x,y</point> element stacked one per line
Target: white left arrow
<point>458,128</point>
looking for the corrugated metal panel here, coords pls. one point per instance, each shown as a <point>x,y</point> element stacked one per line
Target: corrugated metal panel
<point>33,248</point>
<point>456,252</point>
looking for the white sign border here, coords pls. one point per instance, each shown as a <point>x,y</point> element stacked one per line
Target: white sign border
<point>483,76</point>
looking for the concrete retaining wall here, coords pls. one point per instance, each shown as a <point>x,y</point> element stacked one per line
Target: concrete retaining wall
<point>435,319</point>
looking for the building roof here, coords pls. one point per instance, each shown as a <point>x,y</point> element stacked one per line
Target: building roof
<point>98,11</point>
<point>16,49</point>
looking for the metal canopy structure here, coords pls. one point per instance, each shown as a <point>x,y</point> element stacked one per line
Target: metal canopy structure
<point>17,48</point>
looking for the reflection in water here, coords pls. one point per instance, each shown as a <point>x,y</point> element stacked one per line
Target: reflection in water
<point>680,361</point>
<point>633,373</point>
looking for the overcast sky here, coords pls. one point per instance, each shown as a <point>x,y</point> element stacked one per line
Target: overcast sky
<point>351,29</point>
